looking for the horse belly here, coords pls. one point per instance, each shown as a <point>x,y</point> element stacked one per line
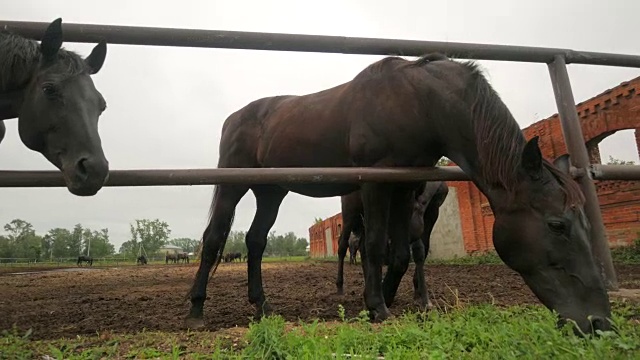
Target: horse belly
<point>306,150</point>
<point>322,190</point>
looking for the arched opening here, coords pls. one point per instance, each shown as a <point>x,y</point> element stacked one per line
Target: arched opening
<point>616,148</point>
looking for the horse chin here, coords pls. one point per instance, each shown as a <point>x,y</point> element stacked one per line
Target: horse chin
<point>88,187</point>
<point>83,189</point>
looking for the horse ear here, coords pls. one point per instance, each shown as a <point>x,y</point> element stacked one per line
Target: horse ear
<point>532,158</point>
<point>51,40</point>
<point>95,60</point>
<point>563,162</point>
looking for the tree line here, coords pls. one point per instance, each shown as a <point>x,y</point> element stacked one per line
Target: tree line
<point>21,241</point>
<point>277,245</point>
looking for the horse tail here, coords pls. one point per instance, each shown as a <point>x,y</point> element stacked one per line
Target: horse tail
<point>225,235</point>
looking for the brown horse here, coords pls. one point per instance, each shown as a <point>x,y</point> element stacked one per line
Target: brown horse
<point>426,209</point>
<point>183,257</point>
<point>50,91</point>
<point>401,113</point>
<point>170,257</point>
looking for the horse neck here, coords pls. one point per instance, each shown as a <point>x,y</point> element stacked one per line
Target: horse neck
<point>491,158</point>
<point>19,59</point>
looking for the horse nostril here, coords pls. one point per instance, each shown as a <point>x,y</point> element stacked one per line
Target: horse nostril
<point>81,169</point>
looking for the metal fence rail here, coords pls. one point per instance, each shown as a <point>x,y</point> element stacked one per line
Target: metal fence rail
<point>189,177</point>
<point>556,59</point>
<point>156,36</point>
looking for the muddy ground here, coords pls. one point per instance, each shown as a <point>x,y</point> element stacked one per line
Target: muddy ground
<point>132,298</point>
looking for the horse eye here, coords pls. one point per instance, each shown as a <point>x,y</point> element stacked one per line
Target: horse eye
<point>49,90</point>
<point>556,226</point>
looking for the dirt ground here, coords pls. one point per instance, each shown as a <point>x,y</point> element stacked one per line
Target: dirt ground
<point>128,299</point>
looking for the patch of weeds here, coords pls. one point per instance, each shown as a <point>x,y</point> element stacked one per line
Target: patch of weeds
<point>15,346</point>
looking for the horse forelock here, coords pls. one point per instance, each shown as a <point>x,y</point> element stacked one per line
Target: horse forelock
<point>574,197</point>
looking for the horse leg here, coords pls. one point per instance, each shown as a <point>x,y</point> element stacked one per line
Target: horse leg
<point>225,200</point>
<point>400,211</point>
<point>343,244</point>
<point>268,200</point>
<point>430,217</point>
<point>375,199</point>
<point>419,282</point>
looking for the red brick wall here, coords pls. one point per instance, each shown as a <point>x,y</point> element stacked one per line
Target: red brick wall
<point>317,243</point>
<point>613,110</point>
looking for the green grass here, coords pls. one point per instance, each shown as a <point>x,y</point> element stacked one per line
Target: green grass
<point>285,259</point>
<point>477,332</point>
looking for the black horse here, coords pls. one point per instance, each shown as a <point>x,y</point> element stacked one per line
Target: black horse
<point>51,93</point>
<point>399,113</point>
<point>230,257</point>
<point>142,260</point>
<point>170,257</point>
<point>426,209</point>
<point>183,257</point>
<point>84,258</point>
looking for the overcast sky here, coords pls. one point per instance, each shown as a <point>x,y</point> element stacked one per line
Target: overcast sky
<point>166,105</point>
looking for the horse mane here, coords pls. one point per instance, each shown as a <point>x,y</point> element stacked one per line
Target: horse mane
<point>500,140</point>
<point>19,56</point>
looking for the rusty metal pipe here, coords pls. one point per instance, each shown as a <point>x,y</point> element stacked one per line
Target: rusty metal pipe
<point>572,133</point>
<point>155,36</point>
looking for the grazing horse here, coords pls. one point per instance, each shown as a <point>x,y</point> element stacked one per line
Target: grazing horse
<point>230,257</point>
<point>426,208</point>
<point>50,91</point>
<point>170,257</point>
<point>142,260</point>
<point>184,257</point>
<point>84,258</point>
<point>402,113</point>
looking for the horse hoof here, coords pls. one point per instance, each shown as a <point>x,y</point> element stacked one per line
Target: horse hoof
<point>340,291</point>
<point>380,316</point>
<point>263,311</point>
<point>194,323</point>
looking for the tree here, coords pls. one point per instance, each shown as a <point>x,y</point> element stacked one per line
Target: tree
<point>129,248</point>
<point>153,234</point>
<point>96,243</point>
<point>22,240</point>
<point>614,161</point>
<point>75,241</point>
<point>60,242</point>
<point>187,244</point>
<point>318,221</point>
<point>236,243</point>
<point>6,250</point>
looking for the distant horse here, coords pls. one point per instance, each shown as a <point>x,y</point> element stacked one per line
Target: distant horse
<point>402,113</point>
<point>354,245</point>
<point>142,260</point>
<point>50,91</point>
<point>170,257</point>
<point>84,258</point>
<point>184,257</point>
<point>230,257</point>
<point>426,209</point>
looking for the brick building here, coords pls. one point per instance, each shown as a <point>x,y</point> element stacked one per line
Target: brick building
<point>613,110</point>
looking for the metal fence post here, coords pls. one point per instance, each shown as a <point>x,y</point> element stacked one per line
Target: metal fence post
<point>574,139</point>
